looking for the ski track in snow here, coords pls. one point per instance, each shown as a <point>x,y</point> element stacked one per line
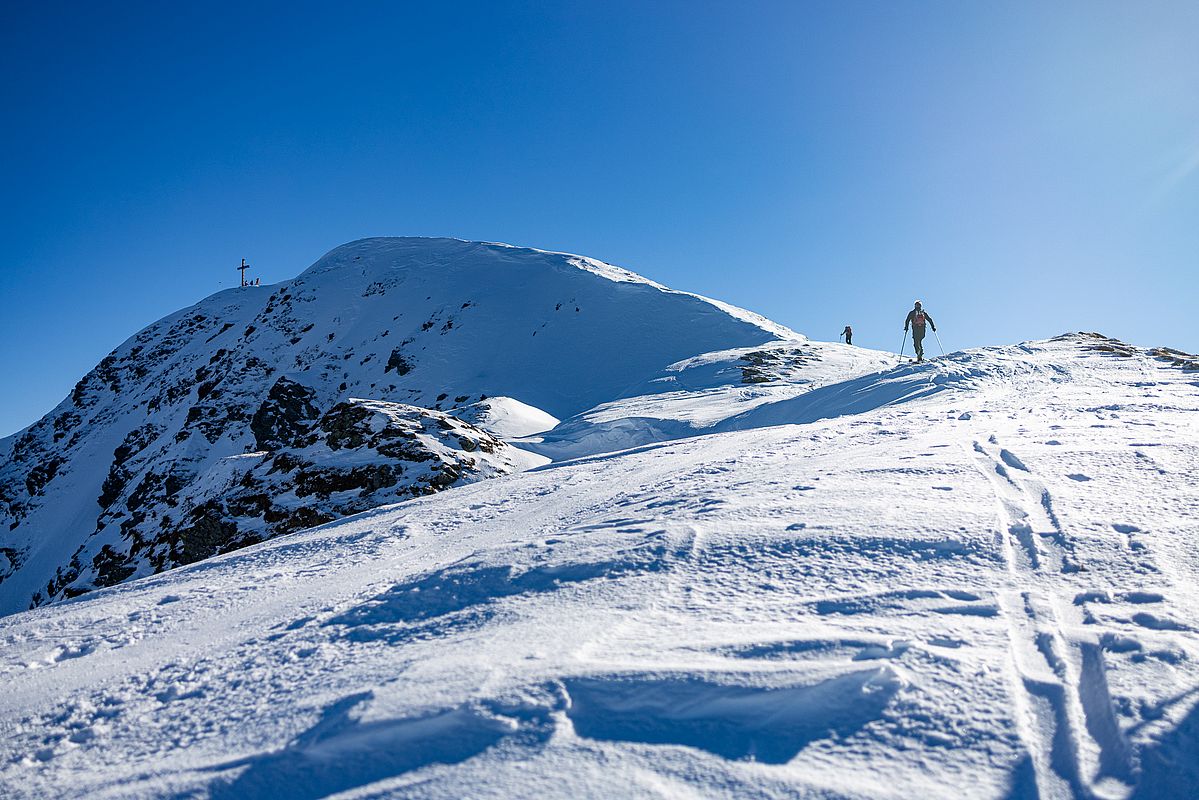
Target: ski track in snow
<point>1066,713</point>
<point>916,599</point>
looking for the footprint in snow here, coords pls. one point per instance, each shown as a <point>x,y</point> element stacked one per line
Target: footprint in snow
<point>1122,528</point>
<point>1156,623</point>
<point>299,623</point>
<point>67,652</point>
<point>1011,460</point>
<point>876,652</point>
<point>1118,643</point>
<point>944,641</point>
<point>82,736</point>
<point>1078,476</point>
<point>1102,596</point>
<point>984,610</point>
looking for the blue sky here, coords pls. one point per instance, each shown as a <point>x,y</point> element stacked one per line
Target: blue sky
<point>1025,168</point>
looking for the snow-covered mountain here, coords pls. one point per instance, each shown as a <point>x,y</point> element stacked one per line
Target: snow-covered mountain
<point>972,577</point>
<point>229,422</point>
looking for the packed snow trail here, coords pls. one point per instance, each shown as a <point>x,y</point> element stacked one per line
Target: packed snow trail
<point>988,590</point>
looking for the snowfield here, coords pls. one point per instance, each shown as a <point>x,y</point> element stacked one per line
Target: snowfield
<point>977,577</point>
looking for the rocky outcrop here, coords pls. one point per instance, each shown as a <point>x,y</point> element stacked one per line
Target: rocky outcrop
<point>358,455</point>
<point>764,366</point>
<point>1178,358</point>
<point>285,414</point>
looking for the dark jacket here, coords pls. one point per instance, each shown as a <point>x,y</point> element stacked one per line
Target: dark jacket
<point>911,320</point>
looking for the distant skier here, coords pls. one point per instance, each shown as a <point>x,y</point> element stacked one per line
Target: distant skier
<point>847,334</point>
<point>917,318</point>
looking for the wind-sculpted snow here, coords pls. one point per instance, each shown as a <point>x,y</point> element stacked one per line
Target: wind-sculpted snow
<point>505,417</point>
<point>768,725</point>
<point>976,370</point>
<point>117,480</point>
<point>783,383</point>
<point>701,394</point>
<point>340,753</point>
<point>477,588</point>
<point>917,599</point>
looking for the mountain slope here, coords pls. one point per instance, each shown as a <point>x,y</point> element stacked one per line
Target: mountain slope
<point>983,580</point>
<point>95,492</point>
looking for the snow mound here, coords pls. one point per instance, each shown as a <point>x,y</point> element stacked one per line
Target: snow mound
<point>505,417</point>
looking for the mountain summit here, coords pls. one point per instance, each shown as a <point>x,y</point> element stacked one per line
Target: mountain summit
<point>367,379</point>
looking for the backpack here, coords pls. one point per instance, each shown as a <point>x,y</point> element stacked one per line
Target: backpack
<point>918,320</point>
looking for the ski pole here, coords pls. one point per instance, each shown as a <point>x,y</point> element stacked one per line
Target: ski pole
<point>904,342</point>
<point>938,341</point>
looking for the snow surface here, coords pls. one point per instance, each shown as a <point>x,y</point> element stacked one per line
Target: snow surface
<point>975,576</point>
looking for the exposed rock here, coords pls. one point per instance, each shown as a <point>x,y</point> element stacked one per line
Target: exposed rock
<point>763,366</point>
<point>358,455</point>
<point>398,362</point>
<point>284,415</point>
<point>207,534</point>
<point>42,474</point>
<point>1178,358</point>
